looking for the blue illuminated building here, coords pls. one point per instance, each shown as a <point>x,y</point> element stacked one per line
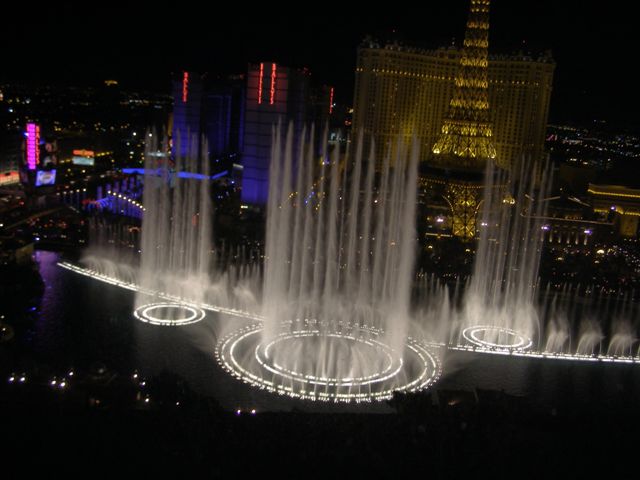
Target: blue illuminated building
<point>236,114</point>
<point>211,110</point>
<point>187,111</point>
<point>275,94</point>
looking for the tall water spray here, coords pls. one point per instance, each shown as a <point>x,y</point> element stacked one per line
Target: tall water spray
<point>339,268</point>
<point>176,228</point>
<point>340,247</point>
<point>499,307</point>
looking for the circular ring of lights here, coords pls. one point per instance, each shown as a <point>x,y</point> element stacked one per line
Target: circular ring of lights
<point>475,335</point>
<point>149,314</point>
<point>242,354</point>
<point>392,364</point>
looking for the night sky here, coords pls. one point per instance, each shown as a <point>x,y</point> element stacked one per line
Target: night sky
<point>81,43</point>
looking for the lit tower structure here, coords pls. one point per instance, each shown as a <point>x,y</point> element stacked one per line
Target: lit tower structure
<point>465,139</point>
<point>465,142</point>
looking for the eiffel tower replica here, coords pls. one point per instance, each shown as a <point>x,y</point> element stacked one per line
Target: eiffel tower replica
<point>459,156</point>
<point>465,139</point>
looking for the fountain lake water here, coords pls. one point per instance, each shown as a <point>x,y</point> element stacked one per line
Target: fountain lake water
<point>330,315</point>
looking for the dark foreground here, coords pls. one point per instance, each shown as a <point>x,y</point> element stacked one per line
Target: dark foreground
<point>181,434</point>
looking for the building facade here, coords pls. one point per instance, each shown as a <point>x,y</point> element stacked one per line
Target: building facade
<point>187,112</point>
<point>465,109</point>
<point>276,95</point>
<point>404,91</point>
<point>210,110</point>
<point>619,204</point>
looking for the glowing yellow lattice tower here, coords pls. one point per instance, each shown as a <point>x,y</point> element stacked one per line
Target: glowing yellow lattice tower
<point>465,139</point>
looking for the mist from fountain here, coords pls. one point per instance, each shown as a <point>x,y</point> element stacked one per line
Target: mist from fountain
<point>591,322</point>
<point>622,340</point>
<point>499,307</point>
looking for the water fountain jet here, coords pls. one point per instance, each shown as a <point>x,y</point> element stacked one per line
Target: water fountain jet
<point>338,275</point>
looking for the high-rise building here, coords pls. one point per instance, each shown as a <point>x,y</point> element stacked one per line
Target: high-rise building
<point>464,106</point>
<point>223,115</point>
<point>275,95</point>
<point>211,110</point>
<point>268,102</point>
<point>187,111</point>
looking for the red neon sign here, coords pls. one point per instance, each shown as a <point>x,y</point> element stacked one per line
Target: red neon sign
<point>84,153</point>
<point>331,101</point>
<point>185,87</point>
<point>260,83</point>
<point>33,143</point>
<point>273,83</point>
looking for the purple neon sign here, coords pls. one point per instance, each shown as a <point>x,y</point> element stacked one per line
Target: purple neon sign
<point>33,143</point>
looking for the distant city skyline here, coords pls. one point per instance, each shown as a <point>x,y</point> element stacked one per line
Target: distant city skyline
<point>77,43</point>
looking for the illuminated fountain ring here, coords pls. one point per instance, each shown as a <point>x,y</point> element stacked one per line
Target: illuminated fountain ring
<point>381,370</point>
<point>514,341</point>
<point>169,314</point>
<point>481,347</point>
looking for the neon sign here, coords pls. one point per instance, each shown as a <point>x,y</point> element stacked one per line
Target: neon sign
<point>45,177</point>
<point>260,84</point>
<point>185,87</point>
<point>33,144</point>
<point>273,83</point>
<point>84,153</point>
<point>331,101</point>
